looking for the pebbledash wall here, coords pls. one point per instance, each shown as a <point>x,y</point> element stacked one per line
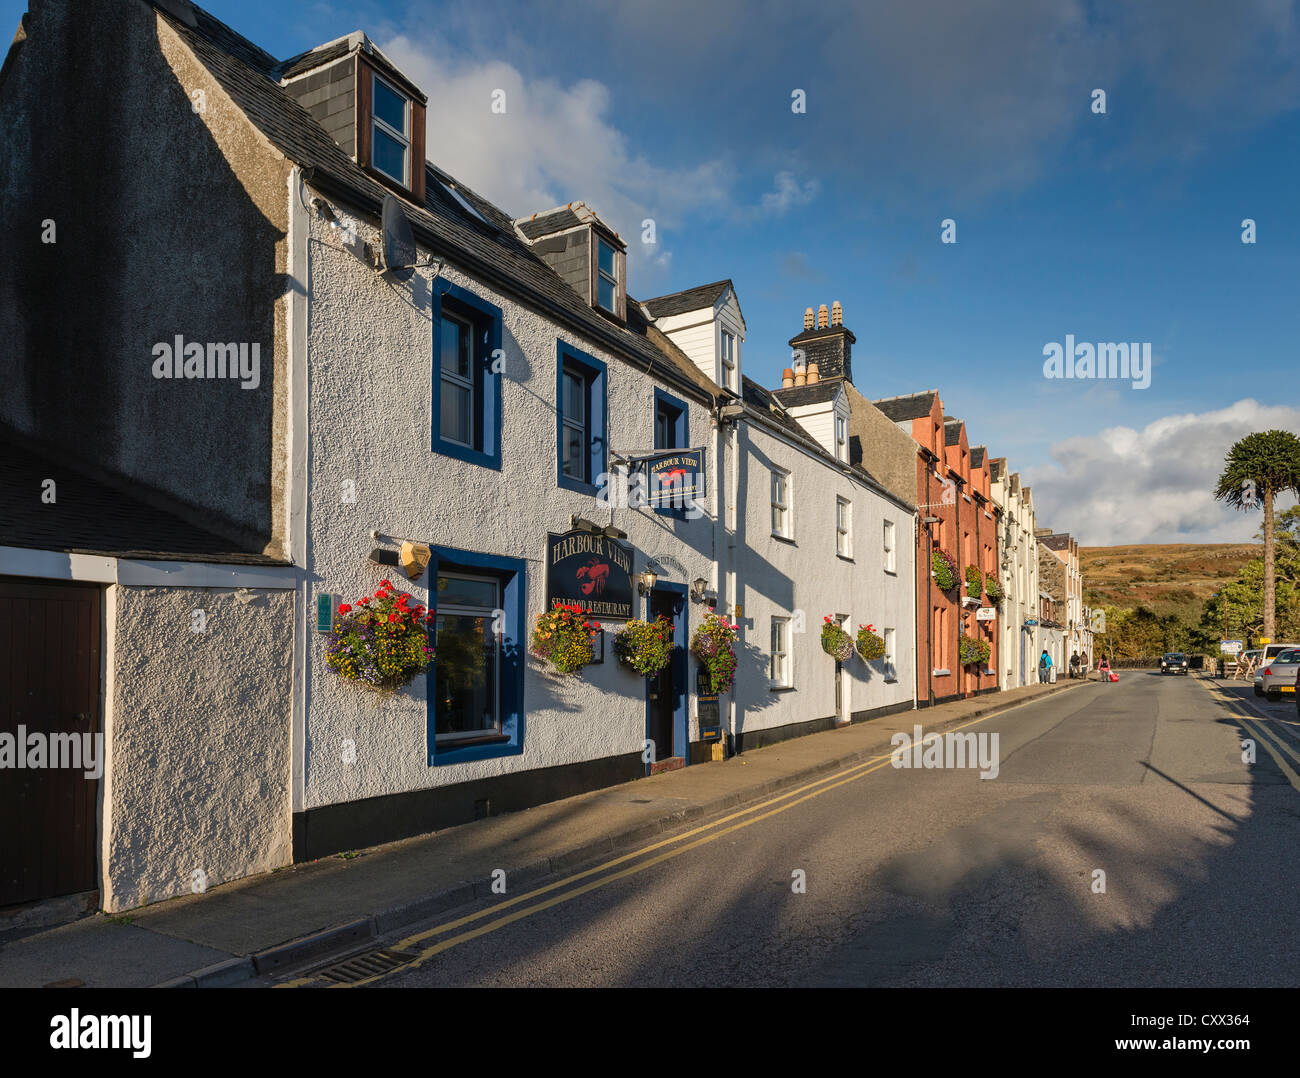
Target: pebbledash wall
<point>803,579</point>
<point>196,788</point>
<point>371,362</point>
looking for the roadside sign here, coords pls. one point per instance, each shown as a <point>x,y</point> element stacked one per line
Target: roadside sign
<point>1230,647</point>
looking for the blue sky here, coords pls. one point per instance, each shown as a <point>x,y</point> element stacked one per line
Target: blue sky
<point>1123,226</point>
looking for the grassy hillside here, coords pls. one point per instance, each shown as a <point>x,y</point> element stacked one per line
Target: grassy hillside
<point>1169,579</point>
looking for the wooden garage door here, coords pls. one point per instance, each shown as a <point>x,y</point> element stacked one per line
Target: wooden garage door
<point>49,683</point>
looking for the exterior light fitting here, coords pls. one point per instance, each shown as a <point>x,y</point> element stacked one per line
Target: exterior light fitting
<point>646,581</point>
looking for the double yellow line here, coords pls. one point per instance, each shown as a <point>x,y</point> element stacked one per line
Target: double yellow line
<point>1273,742</point>
<point>534,901</point>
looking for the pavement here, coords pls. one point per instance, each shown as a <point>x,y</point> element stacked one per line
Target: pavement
<point>304,914</point>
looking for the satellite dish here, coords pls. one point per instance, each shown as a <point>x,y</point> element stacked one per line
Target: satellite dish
<point>399,254</point>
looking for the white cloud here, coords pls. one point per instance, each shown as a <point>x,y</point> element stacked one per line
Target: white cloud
<point>1153,485</point>
<point>788,191</point>
<point>555,143</point>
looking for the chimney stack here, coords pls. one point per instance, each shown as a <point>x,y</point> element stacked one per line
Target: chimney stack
<point>826,344</point>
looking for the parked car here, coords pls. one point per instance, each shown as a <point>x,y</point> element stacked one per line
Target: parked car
<point>1262,657</point>
<point>1279,674</point>
<point>1173,662</point>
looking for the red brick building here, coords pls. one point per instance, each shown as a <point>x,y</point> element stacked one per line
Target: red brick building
<point>959,519</point>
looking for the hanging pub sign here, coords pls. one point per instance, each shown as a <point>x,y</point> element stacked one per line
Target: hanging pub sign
<point>672,477</point>
<point>592,571</point>
<point>986,613</point>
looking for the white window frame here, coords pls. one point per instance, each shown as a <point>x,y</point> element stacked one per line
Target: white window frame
<point>404,137</point>
<point>780,667</point>
<point>601,274</point>
<point>890,637</point>
<point>787,530</point>
<point>841,437</point>
<point>844,534</point>
<point>889,538</point>
<point>727,353</point>
<point>466,328</point>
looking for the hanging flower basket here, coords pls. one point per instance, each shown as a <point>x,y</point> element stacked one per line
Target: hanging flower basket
<point>993,588</point>
<point>870,646</point>
<point>645,647</point>
<point>972,651</point>
<point>974,581</point>
<point>382,641</point>
<point>836,642</point>
<point>713,643</point>
<point>944,570</point>
<point>563,637</point>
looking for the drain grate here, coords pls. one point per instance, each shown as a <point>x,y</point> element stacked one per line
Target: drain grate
<point>361,966</point>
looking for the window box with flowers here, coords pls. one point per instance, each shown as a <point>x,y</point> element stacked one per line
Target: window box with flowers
<point>564,637</point>
<point>713,644</point>
<point>382,642</point>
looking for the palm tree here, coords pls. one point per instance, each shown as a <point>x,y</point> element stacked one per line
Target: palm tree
<point>1256,470</point>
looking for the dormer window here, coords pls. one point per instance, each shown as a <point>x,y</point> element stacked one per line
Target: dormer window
<point>729,360</point>
<point>841,438</point>
<point>390,132</point>
<point>606,276</point>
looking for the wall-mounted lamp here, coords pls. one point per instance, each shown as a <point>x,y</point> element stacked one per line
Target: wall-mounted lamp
<point>930,520</point>
<point>646,581</point>
<point>699,589</point>
<point>380,556</point>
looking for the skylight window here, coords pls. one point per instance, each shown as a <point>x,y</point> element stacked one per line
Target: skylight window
<point>464,203</point>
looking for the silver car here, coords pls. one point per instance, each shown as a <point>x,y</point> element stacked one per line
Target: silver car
<point>1278,675</point>
<point>1263,657</point>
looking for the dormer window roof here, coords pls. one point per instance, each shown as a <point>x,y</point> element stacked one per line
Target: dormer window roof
<point>365,103</point>
<point>586,253</point>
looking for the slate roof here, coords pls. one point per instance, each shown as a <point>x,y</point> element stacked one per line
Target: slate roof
<point>98,516</point>
<point>317,57</point>
<point>977,456</point>
<point>913,406</point>
<point>761,399</point>
<point>492,252</point>
<point>691,299</point>
<point>546,224</point>
<point>818,393</point>
<point>951,431</point>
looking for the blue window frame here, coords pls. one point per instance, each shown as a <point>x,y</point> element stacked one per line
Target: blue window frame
<point>472,715</point>
<point>466,379</point>
<point>581,438</point>
<point>672,431</point>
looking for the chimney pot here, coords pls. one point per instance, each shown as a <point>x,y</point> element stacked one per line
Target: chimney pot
<point>813,374</point>
<point>837,314</point>
<point>822,318</point>
<point>800,378</point>
<point>807,318</point>
<point>787,378</point>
